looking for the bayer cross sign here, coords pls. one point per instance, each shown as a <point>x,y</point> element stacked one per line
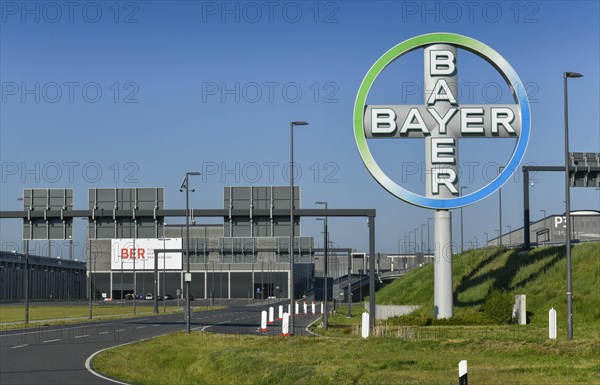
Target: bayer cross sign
<point>442,122</point>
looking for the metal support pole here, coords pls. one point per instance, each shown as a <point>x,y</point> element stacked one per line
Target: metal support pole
<point>187,252</point>
<point>326,284</point>
<point>349,288</point>
<point>500,211</point>
<point>156,282</point>
<point>27,281</point>
<point>292,292</point>
<point>568,208</point>
<point>428,237</point>
<point>443,306</point>
<point>526,214</point>
<point>372,308</point>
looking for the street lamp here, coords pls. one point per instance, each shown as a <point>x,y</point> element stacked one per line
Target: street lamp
<point>462,245</point>
<point>325,283</point>
<point>416,244</point>
<point>26,283</point>
<point>428,237</point>
<point>188,276</point>
<point>487,239</point>
<point>509,235</point>
<point>292,125</point>
<point>500,209</point>
<point>422,243</point>
<point>544,212</point>
<point>567,75</point>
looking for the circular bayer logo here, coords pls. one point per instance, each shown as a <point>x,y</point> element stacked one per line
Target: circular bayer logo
<point>441,121</point>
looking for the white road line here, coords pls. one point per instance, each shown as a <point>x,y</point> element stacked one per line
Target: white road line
<point>103,333</point>
<point>208,326</point>
<point>140,327</point>
<point>19,346</point>
<point>120,330</point>
<point>58,339</point>
<point>156,325</point>
<point>82,336</point>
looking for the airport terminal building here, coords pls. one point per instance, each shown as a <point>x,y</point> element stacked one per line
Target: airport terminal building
<point>245,257</point>
<point>551,230</point>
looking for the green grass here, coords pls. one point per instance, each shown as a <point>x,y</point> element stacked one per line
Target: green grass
<point>540,274</point>
<point>400,353</point>
<point>11,313</point>
<point>204,358</point>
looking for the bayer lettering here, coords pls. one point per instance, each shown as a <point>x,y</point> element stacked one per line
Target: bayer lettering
<point>130,253</point>
<point>442,120</point>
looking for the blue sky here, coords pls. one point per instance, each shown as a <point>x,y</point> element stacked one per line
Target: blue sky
<point>134,94</point>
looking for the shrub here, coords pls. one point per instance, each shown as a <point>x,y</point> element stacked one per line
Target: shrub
<point>498,306</point>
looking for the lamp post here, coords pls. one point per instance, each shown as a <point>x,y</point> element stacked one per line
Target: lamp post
<point>26,283</point>
<point>568,75</point>
<point>186,186</point>
<point>416,248</point>
<point>544,213</point>
<point>500,209</point>
<point>422,243</point>
<point>462,245</point>
<point>292,296</point>
<point>428,237</point>
<point>325,282</point>
<point>487,239</point>
<point>509,235</point>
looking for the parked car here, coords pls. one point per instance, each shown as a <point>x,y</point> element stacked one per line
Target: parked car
<point>169,296</point>
<point>139,296</point>
<point>149,296</point>
<point>159,297</point>
<point>129,296</point>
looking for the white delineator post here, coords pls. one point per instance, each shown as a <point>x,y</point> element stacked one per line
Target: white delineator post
<point>271,315</point>
<point>313,308</point>
<point>296,308</point>
<point>462,373</point>
<point>285,325</point>
<point>280,315</point>
<point>365,325</point>
<point>552,324</point>
<point>321,307</point>
<point>289,311</point>
<point>263,321</point>
<point>305,308</point>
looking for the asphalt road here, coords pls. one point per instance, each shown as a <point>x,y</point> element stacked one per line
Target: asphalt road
<point>57,354</point>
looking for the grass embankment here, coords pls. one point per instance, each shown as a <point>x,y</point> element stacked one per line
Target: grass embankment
<point>539,274</point>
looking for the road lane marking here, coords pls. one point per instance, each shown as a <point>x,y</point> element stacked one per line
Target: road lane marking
<point>19,346</point>
<point>58,339</point>
<point>156,325</point>
<point>103,333</point>
<point>140,327</point>
<point>208,326</point>
<point>82,336</point>
<point>120,330</point>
